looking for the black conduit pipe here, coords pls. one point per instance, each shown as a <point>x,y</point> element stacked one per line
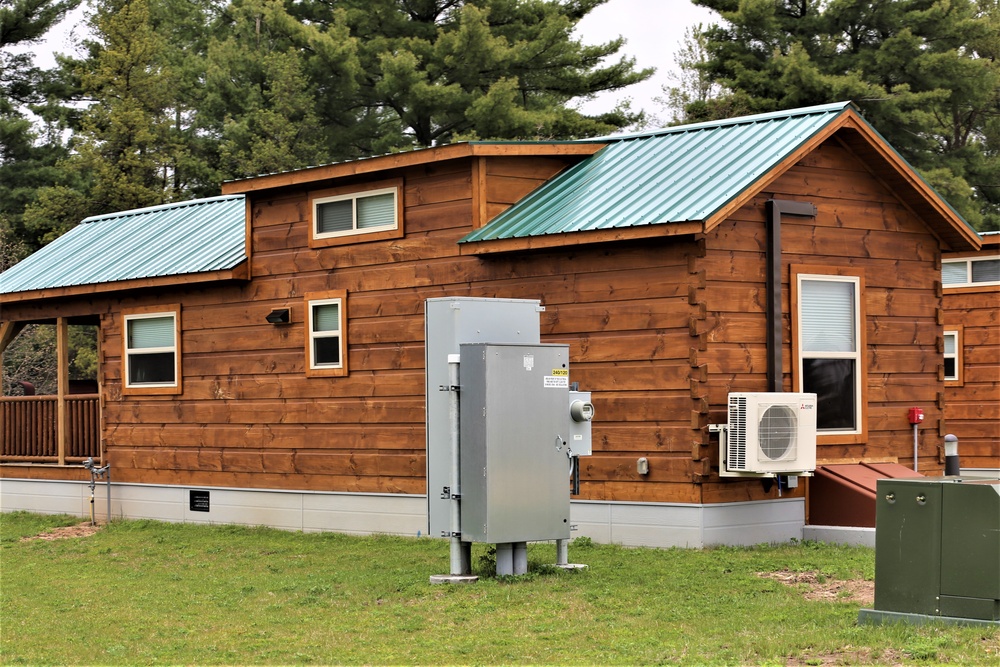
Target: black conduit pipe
<point>775,209</point>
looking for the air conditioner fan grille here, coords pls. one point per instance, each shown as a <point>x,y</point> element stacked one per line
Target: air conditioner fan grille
<point>777,431</point>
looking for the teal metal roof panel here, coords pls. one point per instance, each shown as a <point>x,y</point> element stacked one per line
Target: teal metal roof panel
<point>680,174</point>
<point>188,237</point>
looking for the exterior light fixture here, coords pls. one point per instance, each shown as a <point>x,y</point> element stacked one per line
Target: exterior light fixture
<point>280,316</point>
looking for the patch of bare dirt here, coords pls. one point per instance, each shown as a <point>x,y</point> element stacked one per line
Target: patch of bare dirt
<point>819,587</point>
<point>65,532</point>
<point>862,656</point>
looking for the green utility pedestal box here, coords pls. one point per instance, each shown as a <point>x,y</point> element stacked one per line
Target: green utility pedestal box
<point>937,550</point>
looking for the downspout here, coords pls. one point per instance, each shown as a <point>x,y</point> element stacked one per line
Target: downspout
<point>775,209</point>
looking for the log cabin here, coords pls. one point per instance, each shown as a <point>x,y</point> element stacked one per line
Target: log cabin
<point>262,352</point>
<point>971,304</point>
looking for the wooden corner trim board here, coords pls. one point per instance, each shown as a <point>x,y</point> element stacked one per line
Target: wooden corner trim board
<point>239,272</point>
<point>569,239</point>
<point>408,159</point>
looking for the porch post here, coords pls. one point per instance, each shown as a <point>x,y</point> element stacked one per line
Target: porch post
<point>62,355</point>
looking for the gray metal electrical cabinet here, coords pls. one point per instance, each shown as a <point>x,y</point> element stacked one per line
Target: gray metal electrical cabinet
<point>937,549</point>
<point>451,321</point>
<point>514,442</point>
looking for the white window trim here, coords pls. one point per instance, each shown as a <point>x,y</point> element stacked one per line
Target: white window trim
<point>339,334</point>
<point>857,355</point>
<point>354,197</point>
<point>957,356</point>
<point>967,261</point>
<point>130,352</point>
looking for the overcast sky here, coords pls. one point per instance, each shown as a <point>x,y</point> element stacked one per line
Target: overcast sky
<point>653,30</point>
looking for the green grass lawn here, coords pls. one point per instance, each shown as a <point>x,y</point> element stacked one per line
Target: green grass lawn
<point>142,592</point>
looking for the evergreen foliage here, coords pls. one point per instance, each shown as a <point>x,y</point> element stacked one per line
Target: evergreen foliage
<point>926,74</point>
<point>28,155</point>
<point>171,97</point>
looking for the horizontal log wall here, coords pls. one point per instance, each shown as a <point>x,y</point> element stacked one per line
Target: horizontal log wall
<point>660,330</point>
<point>972,409</point>
<point>860,225</point>
<point>249,416</point>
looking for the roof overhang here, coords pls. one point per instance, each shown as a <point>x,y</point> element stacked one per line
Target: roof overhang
<point>570,239</point>
<point>240,272</point>
<point>422,156</point>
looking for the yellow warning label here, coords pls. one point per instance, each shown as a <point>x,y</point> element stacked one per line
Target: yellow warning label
<point>560,371</point>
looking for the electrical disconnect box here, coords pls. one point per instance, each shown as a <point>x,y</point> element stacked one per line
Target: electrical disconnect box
<point>505,430</point>
<point>516,442</point>
<point>450,322</point>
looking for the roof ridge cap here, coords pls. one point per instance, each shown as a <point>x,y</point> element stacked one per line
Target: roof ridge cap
<point>735,120</point>
<point>159,207</point>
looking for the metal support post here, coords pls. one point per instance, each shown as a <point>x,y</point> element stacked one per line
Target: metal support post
<point>505,559</point>
<point>520,557</point>
<point>460,553</point>
<point>562,552</point>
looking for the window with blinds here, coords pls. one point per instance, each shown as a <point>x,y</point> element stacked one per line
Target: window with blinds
<point>829,320</point>
<point>970,272</point>
<point>326,348</point>
<point>356,213</point>
<point>151,351</point>
<point>952,356</point>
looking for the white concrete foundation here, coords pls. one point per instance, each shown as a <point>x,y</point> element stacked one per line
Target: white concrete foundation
<point>630,524</point>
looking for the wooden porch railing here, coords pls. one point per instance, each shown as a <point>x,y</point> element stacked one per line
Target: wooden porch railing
<point>29,428</point>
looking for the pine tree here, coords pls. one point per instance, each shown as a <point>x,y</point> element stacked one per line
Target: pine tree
<point>122,154</point>
<point>432,71</point>
<point>926,73</point>
<point>28,157</point>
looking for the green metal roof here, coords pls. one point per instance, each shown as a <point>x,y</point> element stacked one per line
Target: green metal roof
<point>188,237</point>
<point>678,174</point>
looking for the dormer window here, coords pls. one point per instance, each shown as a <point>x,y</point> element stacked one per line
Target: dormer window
<point>352,214</point>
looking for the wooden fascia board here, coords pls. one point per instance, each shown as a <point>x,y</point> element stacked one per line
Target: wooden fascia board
<point>853,122</point>
<point>571,239</point>
<point>413,158</point>
<point>775,172</point>
<point>240,272</point>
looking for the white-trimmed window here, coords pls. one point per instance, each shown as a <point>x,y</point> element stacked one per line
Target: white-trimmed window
<point>355,213</point>
<point>952,354</point>
<point>326,342</point>
<point>970,272</point>
<point>829,348</point>
<point>343,215</point>
<point>151,354</point>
